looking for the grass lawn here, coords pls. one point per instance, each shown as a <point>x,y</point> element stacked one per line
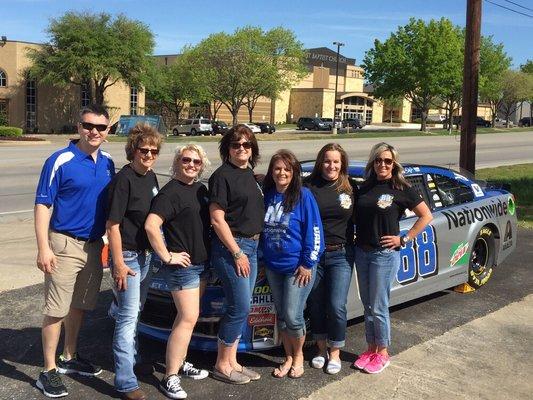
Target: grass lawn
<point>520,177</point>
<point>306,135</point>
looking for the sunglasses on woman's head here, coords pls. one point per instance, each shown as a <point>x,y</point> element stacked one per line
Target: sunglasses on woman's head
<point>237,145</point>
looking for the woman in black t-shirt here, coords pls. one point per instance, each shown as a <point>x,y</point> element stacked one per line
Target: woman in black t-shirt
<point>129,197</point>
<point>330,184</point>
<point>237,213</point>
<point>380,203</point>
<point>181,208</point>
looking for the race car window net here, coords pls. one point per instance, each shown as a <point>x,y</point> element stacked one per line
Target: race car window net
<point>417,182</point>
<point>452,192</point>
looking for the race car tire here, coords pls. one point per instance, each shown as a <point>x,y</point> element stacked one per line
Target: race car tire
<point>482,258</point>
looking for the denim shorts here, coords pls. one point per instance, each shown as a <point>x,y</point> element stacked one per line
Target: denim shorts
<point>180,278</point>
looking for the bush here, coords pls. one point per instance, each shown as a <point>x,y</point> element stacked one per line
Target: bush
<point>10,131</point>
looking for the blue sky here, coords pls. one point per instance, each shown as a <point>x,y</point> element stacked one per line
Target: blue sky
<point>316,23</point>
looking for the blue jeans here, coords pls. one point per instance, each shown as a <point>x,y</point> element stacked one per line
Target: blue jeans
<point>290,301</point>
<point>125,310</point>
<point>180,278</point>
<point>376,271</point>
<point>237,289</point>
<point>327,301</point>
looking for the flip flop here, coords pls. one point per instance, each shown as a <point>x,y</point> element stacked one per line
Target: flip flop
<point>334,367</point>
<point>282,371</point>
<point>296,375</point>
<point>234,377</point>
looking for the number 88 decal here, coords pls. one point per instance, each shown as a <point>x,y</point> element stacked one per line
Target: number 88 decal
<point>418,257</point>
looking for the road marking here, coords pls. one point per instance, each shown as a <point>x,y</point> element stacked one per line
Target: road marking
<point>15,212</point>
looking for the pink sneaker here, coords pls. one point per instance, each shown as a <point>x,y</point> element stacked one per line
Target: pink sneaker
<point>363,359</point>
<point>378,362</point>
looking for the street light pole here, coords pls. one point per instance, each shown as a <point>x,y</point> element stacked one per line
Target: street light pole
<point>334,127</point>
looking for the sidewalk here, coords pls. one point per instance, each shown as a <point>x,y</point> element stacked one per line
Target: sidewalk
<point>488,358</point>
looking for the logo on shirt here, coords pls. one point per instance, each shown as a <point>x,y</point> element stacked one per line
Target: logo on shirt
<point>345,200</point>
<point>154,191</point>
<point>385,200</point>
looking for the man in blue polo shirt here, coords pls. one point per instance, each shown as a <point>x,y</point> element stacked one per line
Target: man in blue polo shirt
<point>69,240</point>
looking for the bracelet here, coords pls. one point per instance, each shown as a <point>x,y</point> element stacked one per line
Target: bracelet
<point>170,259</point>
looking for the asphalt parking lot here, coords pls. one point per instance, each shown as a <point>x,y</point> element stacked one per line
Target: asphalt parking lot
<point>415,326</point>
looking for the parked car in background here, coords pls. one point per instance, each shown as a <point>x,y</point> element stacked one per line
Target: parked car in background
<point>313,124</point>
<point>526,121</point>
<point>354,123</point>
<point>266,127</point>
<point>502,123</point>
<point>253,127</point>
<point>193,127</point>
<point>219,127</point>
<point>436,118</point>
<point>329,121</point>
<point>126,122</point>
<point>479,121</point>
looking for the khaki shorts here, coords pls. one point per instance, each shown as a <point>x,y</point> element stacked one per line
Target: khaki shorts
<point>75,282</point>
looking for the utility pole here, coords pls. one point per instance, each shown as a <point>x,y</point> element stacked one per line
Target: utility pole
<point>334,127</point>
<point>467,155</point>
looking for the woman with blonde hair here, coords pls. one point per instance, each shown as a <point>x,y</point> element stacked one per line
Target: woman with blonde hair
<point>181,208</point>
<point>380,203</point>
<point>330,184</point>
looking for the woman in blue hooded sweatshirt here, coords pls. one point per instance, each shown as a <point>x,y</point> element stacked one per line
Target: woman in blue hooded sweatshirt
<point>292,243</point>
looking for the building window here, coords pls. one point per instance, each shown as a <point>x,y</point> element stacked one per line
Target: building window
<point>416,114</point>
<point>134,101</point>
<point>31,105</point>
<point>3,78</point>
<point>368,117</point>
<point>85,95</point>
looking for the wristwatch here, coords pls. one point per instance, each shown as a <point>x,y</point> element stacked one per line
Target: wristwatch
<point>238,254</point>
<point>404,239</point>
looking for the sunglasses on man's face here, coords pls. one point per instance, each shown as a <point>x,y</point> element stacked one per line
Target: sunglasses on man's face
<point>237,145</point>
<point>386,161</point>
<point>188,160</point>
<point>145,151</point>
<point>89,127</point>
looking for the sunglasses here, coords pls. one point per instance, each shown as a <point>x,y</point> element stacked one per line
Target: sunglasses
<point>88,126</point>
<point>386,161</point>
<point>145,152</point>
<point>237,145</point>
<point>187,160</point>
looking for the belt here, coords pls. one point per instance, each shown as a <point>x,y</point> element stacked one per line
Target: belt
<point>78,238</point>
<point>334,247</point>
<point>240,235</point>
<point>366,248</point>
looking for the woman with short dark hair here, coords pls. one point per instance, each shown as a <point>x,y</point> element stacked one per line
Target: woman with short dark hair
<point>237,212</point>
<point>292,243</point>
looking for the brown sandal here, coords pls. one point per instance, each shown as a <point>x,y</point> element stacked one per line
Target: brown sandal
<point>293,372</point>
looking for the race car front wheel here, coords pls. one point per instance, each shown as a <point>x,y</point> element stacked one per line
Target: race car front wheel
<point>482,258</point>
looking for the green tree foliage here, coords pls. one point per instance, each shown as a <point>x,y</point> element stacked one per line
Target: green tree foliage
<point>95,49</point>
<point>237,69</point>
<point>516,87</point>
<point>494,62</point>
<point>418,61</point>
<point>391,103</point>
<point>528,69</point>
<point>172,87</point>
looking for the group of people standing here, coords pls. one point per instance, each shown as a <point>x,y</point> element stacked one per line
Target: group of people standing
<point>303,227</point>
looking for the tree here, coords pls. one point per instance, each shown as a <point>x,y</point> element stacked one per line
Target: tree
<point>528,69</point>
<point>237,69</point>
<point>94,49</point>
<point>391,103</point>
<point>493,64</point>
<point>516,87</point>
<point>416,62</point>
<point>174,86</point>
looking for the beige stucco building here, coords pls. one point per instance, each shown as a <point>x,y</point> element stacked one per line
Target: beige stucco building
<point>35,107</point>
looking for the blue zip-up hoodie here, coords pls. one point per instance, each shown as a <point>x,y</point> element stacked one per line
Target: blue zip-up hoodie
<point>291,239</point>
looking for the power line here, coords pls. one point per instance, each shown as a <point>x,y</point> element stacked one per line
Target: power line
<point>519,5</point>
<point>510,9</point>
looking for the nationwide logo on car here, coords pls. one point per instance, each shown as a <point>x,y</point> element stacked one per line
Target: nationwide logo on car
<point>261,319</point>
<point>459,254</point>
<point>467,216</point>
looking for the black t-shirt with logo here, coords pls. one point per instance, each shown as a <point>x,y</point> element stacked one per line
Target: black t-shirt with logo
<point>185,211</point>
<point>237,192</point>
<point>129,198</point>
<point>378,210</point>
<point>336,210</point>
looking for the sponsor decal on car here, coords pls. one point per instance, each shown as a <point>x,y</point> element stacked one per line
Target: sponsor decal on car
<point>410,170</point>
<point>261,319</point>
<point>459,176</point>
<point>508,237</point>
<point>263,333</point>
<point>467,216</point>
<point>478,192</point>
<point>459,254</point>
<point>511,206</point>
